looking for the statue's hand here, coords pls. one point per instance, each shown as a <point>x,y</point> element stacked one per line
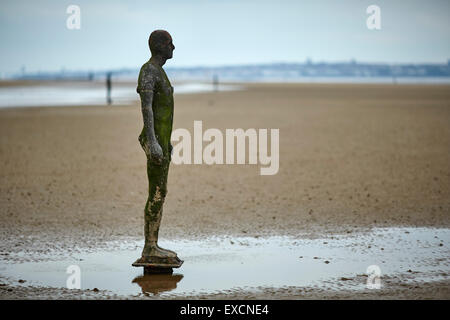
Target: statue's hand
<point>156,152</point>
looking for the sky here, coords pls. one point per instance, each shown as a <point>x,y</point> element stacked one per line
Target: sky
<point>113,34</point>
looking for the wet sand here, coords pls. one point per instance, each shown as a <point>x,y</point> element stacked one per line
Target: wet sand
<point>352,157</point>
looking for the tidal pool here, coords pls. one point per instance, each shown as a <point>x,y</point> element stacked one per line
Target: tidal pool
<point>217,264</point>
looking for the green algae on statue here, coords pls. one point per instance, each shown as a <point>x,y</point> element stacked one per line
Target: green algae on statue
<point>157,104</point>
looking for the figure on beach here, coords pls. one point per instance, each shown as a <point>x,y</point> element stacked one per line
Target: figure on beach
<point>108,88</point>
<point>157,105</point>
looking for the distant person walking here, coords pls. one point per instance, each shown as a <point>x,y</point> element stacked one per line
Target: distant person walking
<point>108,88</point>
<point>216,82</point>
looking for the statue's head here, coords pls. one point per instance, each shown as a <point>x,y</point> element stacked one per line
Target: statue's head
<point>160,43</point>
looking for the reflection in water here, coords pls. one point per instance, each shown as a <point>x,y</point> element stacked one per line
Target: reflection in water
<point>156,283</point>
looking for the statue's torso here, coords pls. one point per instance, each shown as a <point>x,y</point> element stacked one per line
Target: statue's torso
<point>153,78</point>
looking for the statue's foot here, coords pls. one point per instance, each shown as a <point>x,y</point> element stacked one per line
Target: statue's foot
<point>156,257</point>
<point>169,253</point>
<point>156,251</point>
<point>153,256</point>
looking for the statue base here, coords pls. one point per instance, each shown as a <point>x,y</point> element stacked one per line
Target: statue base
<point>158,265</point>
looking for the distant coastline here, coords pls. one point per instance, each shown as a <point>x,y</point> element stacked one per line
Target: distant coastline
<point>276,72</point>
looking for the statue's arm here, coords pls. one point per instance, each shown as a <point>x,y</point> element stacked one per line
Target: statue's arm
<point>155,149</point>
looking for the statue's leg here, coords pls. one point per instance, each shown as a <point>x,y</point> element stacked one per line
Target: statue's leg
<point>157,176</point>
<point>170,253</point>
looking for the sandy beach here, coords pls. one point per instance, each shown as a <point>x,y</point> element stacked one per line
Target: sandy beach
<point>352,157</point>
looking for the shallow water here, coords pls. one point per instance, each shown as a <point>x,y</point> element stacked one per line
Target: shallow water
<point>76,94</point>
<point>219,264</point>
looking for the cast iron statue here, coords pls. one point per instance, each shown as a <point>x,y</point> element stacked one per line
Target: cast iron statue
<point>156,95</point>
